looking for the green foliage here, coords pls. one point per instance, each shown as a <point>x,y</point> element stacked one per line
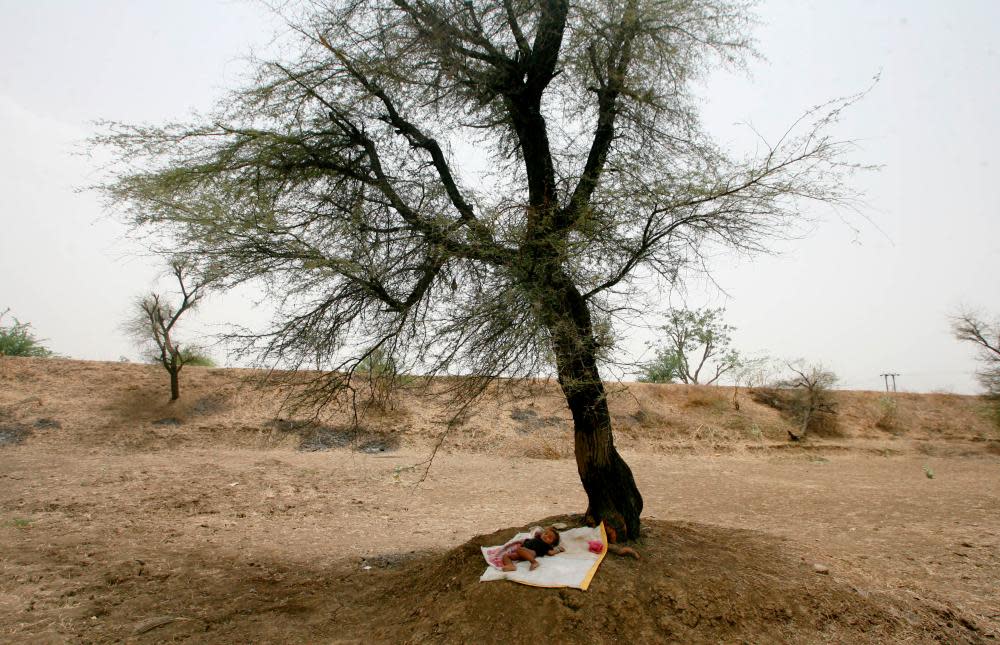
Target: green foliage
<point>664,368</point>
<point>378,364</point>
<point>17,340</point>
<point>197,357</point>
<point>186,355</point>
<point>330,178</point>
<point>696,349</point>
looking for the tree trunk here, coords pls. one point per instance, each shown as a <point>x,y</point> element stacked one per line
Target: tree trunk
<point>612,495</point>
<point>611,491</point>
<point>175,386</point>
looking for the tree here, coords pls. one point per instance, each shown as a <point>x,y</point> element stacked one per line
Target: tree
<point>700,332</point>
<point>974,328</point>
<point>812,384</point>
<point>18,340</point>
<point>155,322</point>
<point>334,179</point>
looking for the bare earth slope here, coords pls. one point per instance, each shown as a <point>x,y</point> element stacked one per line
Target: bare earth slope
<point>218,519</point>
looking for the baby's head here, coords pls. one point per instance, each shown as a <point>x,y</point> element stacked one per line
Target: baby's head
<point>550,536</point>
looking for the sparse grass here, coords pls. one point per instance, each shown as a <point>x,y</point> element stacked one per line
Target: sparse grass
<point>20,522</point>
<point>888,414</point>
<point>990,410</point>
<point>825,424</point>
<point>739,422</point>
<point>707,400</point>
<point>542,449</point>
<point>648,419</point>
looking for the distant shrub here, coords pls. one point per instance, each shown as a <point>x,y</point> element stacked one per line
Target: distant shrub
<point>17,340</point>
<point>664,368</point>
<point>805,397</point>
<point>197,357</point>
<point>888,418</point>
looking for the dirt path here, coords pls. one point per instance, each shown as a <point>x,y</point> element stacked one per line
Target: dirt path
<point>74,525</point>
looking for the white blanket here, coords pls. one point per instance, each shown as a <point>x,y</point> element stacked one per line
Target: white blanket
<point>575,567</point>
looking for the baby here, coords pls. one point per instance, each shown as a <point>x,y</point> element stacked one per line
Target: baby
<point>544,543</point>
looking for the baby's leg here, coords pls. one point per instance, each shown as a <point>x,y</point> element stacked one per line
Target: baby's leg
<point>508,564</point>
<point>527,554</point>
<point>623,550</point>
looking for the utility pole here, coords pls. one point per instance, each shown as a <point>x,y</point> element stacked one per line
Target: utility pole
<point>886,376</point>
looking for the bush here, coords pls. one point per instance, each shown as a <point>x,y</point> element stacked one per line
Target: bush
<point>196,357</point>
<point>805,398</point>
<point>888,414</point>
<point>17,340</point>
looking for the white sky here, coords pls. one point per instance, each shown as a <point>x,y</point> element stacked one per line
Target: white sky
<point>862,298</point>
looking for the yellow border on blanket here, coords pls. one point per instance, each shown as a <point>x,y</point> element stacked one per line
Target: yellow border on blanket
<point>600,559</point>
<point>590,574</point>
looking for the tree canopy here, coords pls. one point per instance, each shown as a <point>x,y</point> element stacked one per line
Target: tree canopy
<point>480,187</point>
<point>695,350</point>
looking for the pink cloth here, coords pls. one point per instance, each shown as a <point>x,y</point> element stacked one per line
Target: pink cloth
<point>596,546</point>
<point>495,555</point>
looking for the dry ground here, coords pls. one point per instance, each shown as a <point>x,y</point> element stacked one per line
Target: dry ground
<point>113,520</point>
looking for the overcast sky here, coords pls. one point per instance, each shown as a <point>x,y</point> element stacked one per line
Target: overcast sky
<point>863,294</point>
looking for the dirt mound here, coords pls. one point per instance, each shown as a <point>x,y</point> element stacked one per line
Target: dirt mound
<point>695,583</point>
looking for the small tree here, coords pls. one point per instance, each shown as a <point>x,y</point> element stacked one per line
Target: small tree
<point>696,348</point>
<point>17,340</point>
<point>972,327</point>
<point>811,384</point>
<point>153,327</point>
